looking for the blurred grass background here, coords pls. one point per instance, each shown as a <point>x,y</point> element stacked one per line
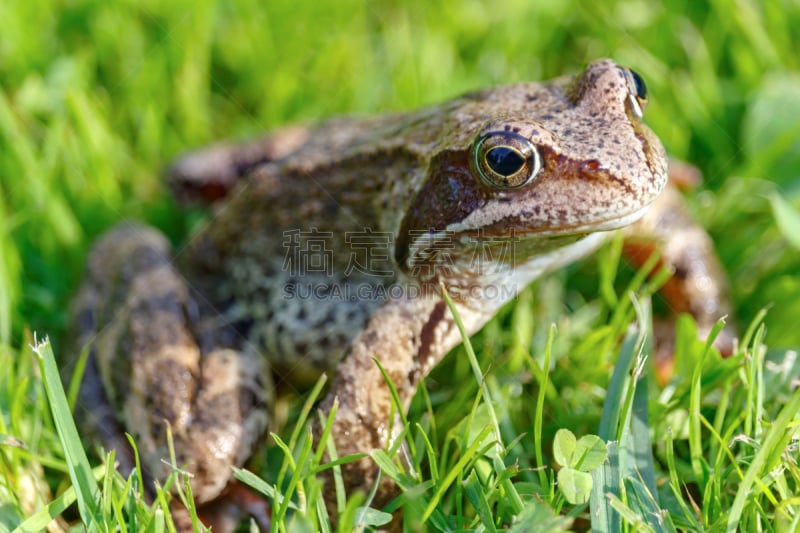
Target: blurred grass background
<point>96,97</point>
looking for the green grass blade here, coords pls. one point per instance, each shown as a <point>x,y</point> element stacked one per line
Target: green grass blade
<point>473,362</point>
<point>397,405</point>
<point>540,397</point>
<point>388,466</point>
<point>605,481</point>
<point>624,412</point>
<point>87,491</point>
<point>778,436</point>
<point>297,471</point>
<point>641,446</point>
<point>457,469</point>
<point>39,520</point>
<point>537,517</point>
<point>475,494</point>
<point>787,219</point>
<point>645,503</point>
<point>675,484</point>
<point>610,420</point>
<point>638,443</point>
<point>308,405</point>
<point>512,497</point>
<point>632,519</point>
<point>77,376</point>
<point>256,483</point>
<point>431,454</point>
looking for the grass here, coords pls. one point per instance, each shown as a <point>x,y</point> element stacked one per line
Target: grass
<point>97,97</point>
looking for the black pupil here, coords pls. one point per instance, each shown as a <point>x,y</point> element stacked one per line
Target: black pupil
<point>641,88</point>
<point>505,161</point>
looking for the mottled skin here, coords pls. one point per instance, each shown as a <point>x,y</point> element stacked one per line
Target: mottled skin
<point>173,349</point>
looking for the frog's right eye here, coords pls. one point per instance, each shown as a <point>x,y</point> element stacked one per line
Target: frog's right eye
<point>637,91</point>
<point>505,159</point>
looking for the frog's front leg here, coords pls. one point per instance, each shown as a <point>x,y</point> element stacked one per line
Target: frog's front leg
<point>698,285</point>
<point>158,369</point>
<point>408,336</point>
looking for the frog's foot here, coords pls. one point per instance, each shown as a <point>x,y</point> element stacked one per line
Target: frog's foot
<point>210,174</point>
<point>160,370</point>
<point>227,512</point>
<point>238,502</point>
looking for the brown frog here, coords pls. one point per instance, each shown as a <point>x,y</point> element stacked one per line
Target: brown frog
<point>329,246</point>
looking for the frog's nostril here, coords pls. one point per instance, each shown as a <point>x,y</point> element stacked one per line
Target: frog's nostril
<point>591,169</point>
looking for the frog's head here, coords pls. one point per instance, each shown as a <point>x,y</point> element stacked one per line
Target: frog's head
<point>545,164</point>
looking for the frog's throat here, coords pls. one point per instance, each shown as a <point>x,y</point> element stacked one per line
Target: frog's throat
<point>505,284</point>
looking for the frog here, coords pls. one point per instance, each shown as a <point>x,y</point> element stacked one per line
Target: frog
<point>328,249</point>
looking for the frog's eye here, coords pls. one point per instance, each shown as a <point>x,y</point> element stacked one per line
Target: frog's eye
<point>637,91</point>
<point>506,160</point>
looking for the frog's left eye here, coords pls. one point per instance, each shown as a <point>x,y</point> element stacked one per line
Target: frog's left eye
<point>506,160</point>
<point>637,91</point>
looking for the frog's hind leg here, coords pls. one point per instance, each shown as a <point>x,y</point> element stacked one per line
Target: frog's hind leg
<point>160,371</point>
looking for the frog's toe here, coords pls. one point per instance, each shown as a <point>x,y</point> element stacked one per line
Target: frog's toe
<point>228,419</point>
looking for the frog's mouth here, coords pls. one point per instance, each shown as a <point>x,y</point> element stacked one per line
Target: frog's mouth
<point>609,224</point>
<point>515,246</point>
<point>533,236</point>
<point>514,228</point>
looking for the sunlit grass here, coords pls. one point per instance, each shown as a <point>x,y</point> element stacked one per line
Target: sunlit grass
<point>96,98</point>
